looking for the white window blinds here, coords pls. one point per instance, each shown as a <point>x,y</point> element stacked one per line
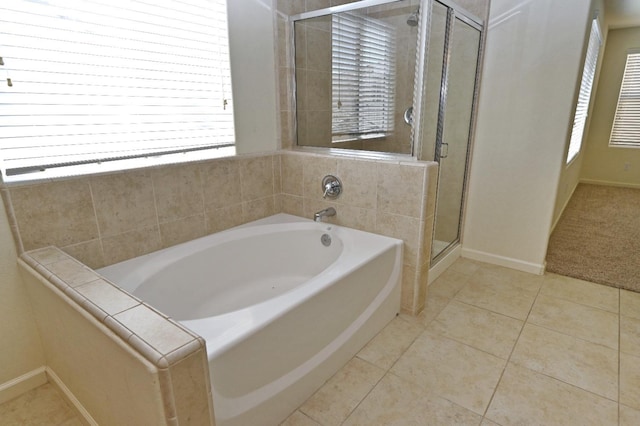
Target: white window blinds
<point>626,124</point>
<point>586,86</point>
<point>95,80</point>
<point>363,77</point>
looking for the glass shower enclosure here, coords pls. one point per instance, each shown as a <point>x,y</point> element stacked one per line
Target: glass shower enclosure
<point>449,93</point>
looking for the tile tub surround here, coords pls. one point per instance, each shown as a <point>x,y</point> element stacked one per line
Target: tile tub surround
<point>104,219</point>
<point>392,198</point>
<point>173,357</point>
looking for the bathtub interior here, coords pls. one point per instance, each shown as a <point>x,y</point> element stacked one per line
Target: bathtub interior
<point>234,273</point>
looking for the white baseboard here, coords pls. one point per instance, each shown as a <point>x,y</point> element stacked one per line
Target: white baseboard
<point>443,264</point>
<point>611,183</point>
<point>508,262</point>
<point>70,397</point>
<point>19,385</point>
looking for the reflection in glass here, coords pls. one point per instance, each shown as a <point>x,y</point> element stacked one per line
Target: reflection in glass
<point>362,76</point>
<point>354,78</point>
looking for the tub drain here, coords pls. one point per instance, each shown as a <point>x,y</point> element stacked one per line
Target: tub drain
<point>325,240</point>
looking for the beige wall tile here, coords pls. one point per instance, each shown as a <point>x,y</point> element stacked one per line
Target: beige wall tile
<point>312,206</point>
<point>318,129</point>
<point>287,133</point>
<point>397,402</point>
<point>181,230</point>
<point>131,244</point>
<point>426,240</point>
<point>314,169</point>
<point>89,252</point>
<point>189,381</point>
<point>292,174</point>
<point>256,177</point>
<point>589,366</point>
<point>526,397</point>
<point>576,320</point>
<point>178,191</point>
<point>358,180</point>
<point>57,213</point>
<point>355,217</point>
<point>277,173</point>
<point>400,189</point>
<point>423,287</point>
<point>479,328</point>
<point>292,204</point>
<point>224,218</point>
<point>468,379</point>
<point>408,289</point>
<point>123,202</point>
<point>402,227</point>
<point>333,402</point>
<point>258,209</point>
<point>221,183</point>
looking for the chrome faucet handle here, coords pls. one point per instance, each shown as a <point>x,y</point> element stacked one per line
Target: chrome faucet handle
<point>332,186</point>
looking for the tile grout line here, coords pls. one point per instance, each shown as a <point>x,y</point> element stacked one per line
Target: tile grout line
<point>388,370</point>
<point>524,323</point>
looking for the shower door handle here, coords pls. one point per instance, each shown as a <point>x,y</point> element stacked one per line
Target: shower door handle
<point>408,116</point>
<point>444,150</point>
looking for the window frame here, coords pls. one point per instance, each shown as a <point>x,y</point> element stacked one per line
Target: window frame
<point>583,104</point>
<point>635,144</point>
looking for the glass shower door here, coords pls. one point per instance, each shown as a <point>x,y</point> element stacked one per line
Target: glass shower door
<point>461,46</point>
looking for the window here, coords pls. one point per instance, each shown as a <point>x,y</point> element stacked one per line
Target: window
<point>92,81</point>
<point>363,76</point>
<point>626,122</point>
<point>586,85</point>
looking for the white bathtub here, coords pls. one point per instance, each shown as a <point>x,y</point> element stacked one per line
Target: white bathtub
<point>280,311</point>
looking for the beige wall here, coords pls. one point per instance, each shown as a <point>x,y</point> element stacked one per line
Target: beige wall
<point>603,164</point>
<point>20,351</point>
<point>570,174</point>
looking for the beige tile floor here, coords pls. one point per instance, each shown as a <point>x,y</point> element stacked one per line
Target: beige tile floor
<point>40,406</point>
<point>494,347</point>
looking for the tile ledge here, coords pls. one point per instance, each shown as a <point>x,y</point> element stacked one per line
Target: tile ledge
<point>125,335</point>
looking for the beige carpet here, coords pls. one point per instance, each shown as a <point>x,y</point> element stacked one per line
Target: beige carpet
<point>598,237</point>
